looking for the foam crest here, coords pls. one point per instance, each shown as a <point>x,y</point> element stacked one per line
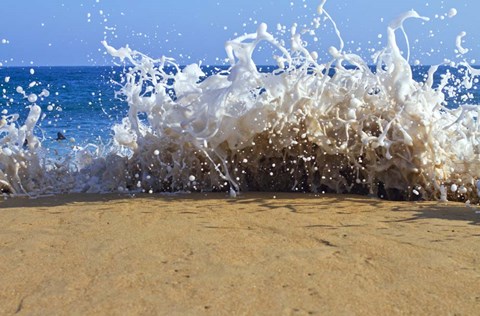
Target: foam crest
<point>19,162</point>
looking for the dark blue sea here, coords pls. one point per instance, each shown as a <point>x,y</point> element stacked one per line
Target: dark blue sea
<point>83,107</point>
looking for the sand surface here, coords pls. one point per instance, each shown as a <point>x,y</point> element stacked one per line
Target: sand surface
<point>196,254</point>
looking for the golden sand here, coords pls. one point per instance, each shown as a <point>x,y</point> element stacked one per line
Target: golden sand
<point>256,254</point>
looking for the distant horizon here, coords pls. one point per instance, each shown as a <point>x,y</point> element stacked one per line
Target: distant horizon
<point>184,65</point>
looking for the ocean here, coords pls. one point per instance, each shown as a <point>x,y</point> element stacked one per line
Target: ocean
<point>390,130</point>
<point>81,104</point>
<point>84,106</point>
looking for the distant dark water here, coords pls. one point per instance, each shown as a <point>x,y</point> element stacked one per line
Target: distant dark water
<point>82,103</point>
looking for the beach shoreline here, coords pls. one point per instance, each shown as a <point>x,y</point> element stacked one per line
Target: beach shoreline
<point>259,253</point>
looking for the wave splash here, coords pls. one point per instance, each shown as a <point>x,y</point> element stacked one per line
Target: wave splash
<point>338,126</point>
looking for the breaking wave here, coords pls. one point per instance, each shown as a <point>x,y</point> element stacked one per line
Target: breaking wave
<point>336,126</point>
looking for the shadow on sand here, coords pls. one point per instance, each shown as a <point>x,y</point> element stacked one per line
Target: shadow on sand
<point>264,201</point>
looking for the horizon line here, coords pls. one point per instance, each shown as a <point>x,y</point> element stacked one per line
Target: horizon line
<point>184,65</point>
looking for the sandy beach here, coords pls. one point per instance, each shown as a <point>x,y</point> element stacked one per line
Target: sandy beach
<point>263,254</point>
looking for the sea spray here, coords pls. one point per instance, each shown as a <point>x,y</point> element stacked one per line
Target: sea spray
<point>20,169</point>
<point>298,128</point>
<point>332,126</point>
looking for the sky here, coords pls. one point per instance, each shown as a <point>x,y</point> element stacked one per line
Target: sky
<point>69,32</point>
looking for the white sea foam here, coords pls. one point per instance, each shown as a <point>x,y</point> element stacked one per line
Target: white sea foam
<point>461,50</point>
<point>452,12</point>
<point>298,128</point>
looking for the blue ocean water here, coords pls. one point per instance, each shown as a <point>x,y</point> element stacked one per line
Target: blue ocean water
<point>83,107</point>
<point>82,98</point>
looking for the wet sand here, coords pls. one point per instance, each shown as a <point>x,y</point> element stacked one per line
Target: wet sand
<point>295,254</point>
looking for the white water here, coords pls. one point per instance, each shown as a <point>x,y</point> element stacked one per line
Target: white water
<point>371,132</point>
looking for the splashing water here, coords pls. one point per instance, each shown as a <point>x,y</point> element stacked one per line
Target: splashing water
<point>339,126</point>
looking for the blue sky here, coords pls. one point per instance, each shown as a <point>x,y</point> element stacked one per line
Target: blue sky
<point>68,32</point>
